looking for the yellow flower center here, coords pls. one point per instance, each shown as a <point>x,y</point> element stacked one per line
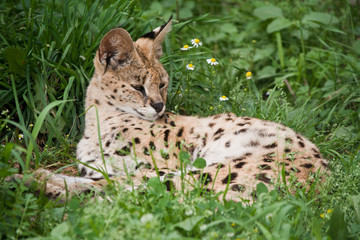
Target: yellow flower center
<point>190,65</point>
<point>186,46</point>
<point>223,97</point>
<point>213,60</point>
<point>248,74</point>
<point>196,40</point>
<point>322,215</point>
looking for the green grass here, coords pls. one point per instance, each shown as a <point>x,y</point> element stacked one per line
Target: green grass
<point>304,56</point>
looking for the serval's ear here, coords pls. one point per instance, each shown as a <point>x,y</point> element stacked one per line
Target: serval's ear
<point>116,49</point>
<point>152,41</point>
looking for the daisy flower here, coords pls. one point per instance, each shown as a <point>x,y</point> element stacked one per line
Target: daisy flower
<point>223,98</point>
<point>212,61</point>
<point>248,75</point>
<point>185,48</point>
<point>196,42</point>
<point>190,67</point>
<point>21,136</point>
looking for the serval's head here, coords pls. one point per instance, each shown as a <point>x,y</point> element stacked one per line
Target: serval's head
<point>129,74</point>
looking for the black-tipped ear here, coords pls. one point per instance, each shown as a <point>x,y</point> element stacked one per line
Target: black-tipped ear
<point>115,48</point>
<point>152,41</point>
<point>156,32</point>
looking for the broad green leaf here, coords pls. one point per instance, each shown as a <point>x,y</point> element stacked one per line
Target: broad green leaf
<point>345,133</point>
<point>264,52</point>
<point>266,72</point>
<point>338,227</point>
<point>241,64</point>
<point>60,230</point>
<point>155,184</point>
<point>199,163</point>
<point>189,223</point>
<point>316,229</point>
<point>6,152</point>
<point>229,28</point>
<point>278,24</point>
<point>156,7</point>
<point>281,215</point>
<point>185,13</point>
<point>267,12</point>
<point>184,156</point>
<point>286,230</point>
<point>320,17</point>
<point>186,10</point>
<point>261,188</point>
<point>16,59</point>
<point>5,170</point>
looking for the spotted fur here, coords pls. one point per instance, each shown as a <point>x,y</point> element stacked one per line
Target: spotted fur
<point>128,95</point>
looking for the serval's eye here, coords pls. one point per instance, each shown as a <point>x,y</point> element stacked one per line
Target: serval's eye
<point>161,85</point>
<point>139,88</point>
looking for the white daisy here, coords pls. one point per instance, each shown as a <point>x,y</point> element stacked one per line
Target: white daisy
<point>185,48</point>
<point>212,61</point>
<point>21,136</point>
<point>190,67</point>
<point>196,42</point>
<point>248,75</point>
<point>223,98</point>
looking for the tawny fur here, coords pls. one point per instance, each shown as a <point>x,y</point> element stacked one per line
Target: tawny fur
<point>127,96</point>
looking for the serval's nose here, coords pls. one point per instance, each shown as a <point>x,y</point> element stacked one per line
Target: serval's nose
<point>158,106</point>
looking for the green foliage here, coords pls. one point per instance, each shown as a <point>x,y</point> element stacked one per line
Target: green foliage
<point>199,163</point>
<point>303,56</point>
<point>16,59</point>
<point>49,49</point>
<point>337,229</point>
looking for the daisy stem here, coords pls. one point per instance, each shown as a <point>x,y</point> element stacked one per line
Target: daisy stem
<point>187,92</point>
<point>211,83</point>
<point>252,87</point>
